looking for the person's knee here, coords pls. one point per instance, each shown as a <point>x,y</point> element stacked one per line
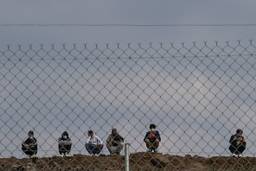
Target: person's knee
<point>153,144</point>
<point>115,149</point>
<point>89,147</point>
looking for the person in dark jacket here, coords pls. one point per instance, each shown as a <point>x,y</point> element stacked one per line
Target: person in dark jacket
<point>29,146</point>
<point>237,143</point>
<point>152,138</point>
<point>114,142</point>
<point>64,143</point>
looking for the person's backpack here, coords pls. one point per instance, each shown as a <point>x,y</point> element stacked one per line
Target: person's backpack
<point>152,136</point>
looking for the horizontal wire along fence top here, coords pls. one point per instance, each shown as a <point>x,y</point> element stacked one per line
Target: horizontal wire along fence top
<point>188,25</point>
<point>197,95</point>
<point>130,50</point>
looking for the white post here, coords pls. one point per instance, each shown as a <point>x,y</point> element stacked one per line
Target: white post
<point>126,159</point>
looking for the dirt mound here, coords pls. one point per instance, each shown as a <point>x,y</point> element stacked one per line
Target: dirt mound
<point>138,162</point>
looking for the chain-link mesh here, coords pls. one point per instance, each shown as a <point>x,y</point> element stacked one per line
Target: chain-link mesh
<point>197,94</point>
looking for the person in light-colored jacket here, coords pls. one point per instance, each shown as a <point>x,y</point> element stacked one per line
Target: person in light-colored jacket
<point>94,144</point>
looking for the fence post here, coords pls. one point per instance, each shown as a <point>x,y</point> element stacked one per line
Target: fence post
<point>126,158</point>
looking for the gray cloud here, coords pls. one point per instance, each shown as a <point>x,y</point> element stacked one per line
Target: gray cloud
<point>113,11</point>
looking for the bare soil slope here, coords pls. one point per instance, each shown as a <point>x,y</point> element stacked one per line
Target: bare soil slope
<point>138,161</point>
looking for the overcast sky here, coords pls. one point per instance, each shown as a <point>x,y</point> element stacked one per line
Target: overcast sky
<point>45,94</point>
<point>125,12</point>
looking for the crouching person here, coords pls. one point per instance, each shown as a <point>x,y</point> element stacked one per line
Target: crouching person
<point>237,143</point>
<point>29,146</point>
<point>152,138</point>
<point>114,142</point>
<point>64,143</point>
<point>94,144</point>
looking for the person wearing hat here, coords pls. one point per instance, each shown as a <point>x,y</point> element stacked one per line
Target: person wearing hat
<point>29,146</point>
<point>64,144</point>
<point>115,142</point>
<point>152,138</point>
<point>237,143</point>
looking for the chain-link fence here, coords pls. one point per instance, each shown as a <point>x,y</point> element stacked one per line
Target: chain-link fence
<point>197,94</point>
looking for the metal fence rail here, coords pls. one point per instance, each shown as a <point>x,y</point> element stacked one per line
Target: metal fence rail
<point>197,94</point>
